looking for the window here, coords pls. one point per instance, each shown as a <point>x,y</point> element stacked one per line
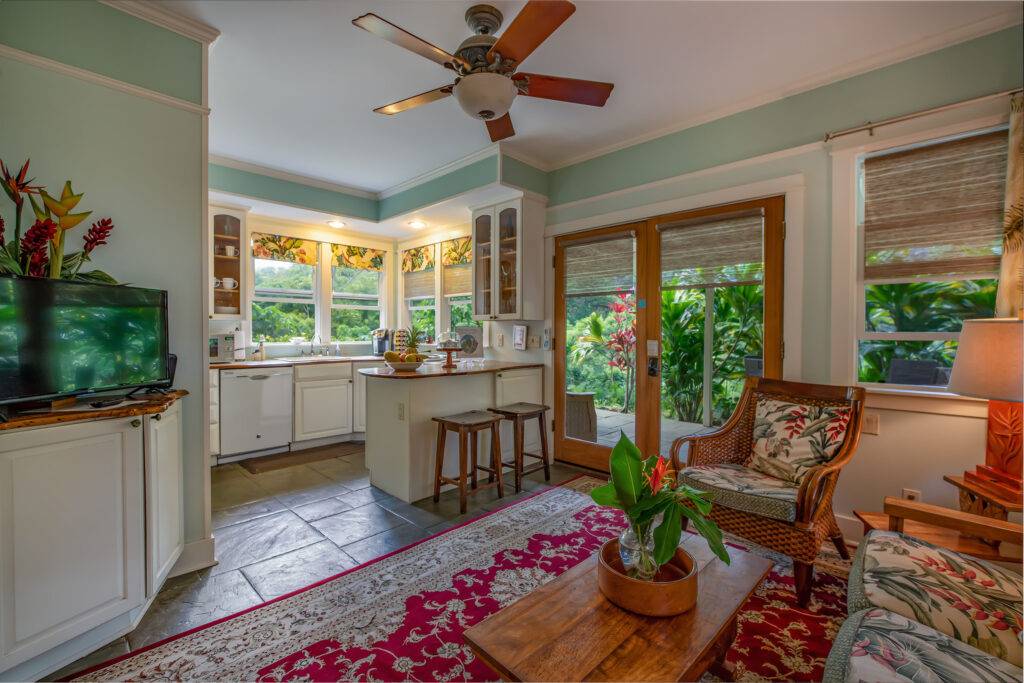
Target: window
<point>292,300</point>
<point>284,288</point>
<point>355,292</point>
<point>931,230</point>
<point>457,282</point>
<point>418,290</point>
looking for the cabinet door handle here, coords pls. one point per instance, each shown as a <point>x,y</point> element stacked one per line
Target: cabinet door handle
<point>259,376</point>
<point>157,417</point>
<point>136,423</point>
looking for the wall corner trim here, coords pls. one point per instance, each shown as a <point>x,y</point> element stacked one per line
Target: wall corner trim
<point>164,18</point>
<point>106,81</point>
<point>196,555</point>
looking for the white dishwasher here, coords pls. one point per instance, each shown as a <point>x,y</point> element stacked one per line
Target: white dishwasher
<point>255,409</point>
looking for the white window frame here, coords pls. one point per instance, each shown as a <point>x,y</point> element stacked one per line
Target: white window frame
<point>256,297</point>
<point>323,298</point>
<point>848,314</point>
<point>331,306</point>
<point>442,311</point>
<point>447,305</point>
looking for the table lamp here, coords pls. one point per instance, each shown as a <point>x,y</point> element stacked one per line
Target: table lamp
<point>989,365</point>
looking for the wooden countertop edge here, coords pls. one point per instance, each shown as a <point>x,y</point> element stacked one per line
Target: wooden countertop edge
<point>246,364</point>
<point>391,374</point>
<point>141,407</point>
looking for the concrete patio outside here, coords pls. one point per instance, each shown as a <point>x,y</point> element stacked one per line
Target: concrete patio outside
<point>609,422</point>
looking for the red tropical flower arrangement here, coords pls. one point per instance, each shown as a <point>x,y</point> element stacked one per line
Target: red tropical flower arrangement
<point>40,251</point>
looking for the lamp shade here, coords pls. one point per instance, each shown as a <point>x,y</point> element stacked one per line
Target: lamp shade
<point>989,360</point>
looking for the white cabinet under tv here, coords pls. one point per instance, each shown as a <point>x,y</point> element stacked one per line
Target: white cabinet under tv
<point>91,523</point>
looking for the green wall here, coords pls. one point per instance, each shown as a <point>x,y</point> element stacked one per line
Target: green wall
<point>106,41</point>
<point>469,177</point>
<point>524,176</point>
<point>139,162</point>
<point>978,67</point>
<point>259,186</point>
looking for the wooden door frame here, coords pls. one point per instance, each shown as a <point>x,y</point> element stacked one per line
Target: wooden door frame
<point>648,318</point>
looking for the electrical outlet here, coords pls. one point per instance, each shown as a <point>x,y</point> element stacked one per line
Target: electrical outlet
<point>533,341</point>
<point>499,339</point>
<point>910,494</point>
<point>871,423</point>
<point>401,411</point>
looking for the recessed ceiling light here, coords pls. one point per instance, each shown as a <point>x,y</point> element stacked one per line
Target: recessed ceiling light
<point>336,224</point>
<point>416,225</point>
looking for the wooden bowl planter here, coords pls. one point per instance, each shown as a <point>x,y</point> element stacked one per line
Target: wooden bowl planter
<point>673,590</point>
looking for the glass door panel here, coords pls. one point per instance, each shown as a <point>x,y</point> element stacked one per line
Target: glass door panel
<point>508,271</point>
<point>597,292</point>
<point>482,265</point>
<point>712,318</point>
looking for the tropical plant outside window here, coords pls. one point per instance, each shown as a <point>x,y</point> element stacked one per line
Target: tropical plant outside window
<point>932,234</point>
<point>423,317</point>
<point>355,303</point>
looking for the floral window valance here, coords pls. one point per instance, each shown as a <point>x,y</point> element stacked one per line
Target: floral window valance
<point>362,258</point>
<point>281,248</point>
<point>457,252</point>
<point>418,259</point>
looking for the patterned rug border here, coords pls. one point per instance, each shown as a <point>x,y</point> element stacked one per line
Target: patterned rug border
<point>299,591</point>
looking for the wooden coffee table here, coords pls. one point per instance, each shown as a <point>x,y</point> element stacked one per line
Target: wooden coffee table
<point>568,631</point>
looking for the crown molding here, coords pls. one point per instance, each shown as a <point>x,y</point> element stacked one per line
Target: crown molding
<point>961,34</point>
<point>525,158</point>
<point>291,177</point>
<point>154,13</point>
<point>486,152</point>
<point>99,79</point>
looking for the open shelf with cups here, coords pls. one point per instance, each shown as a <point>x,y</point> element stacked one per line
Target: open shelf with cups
<point>227,235</point>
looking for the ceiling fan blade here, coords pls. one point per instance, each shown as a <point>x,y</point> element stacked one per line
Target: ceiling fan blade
<point>593,93</point>
<point>415,100</point>
<point>383,28</point>
<point>531,27</point>
<point>500,129</point>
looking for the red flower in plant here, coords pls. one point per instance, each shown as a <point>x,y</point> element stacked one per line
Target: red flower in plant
<point>37,237</point>
<point>16,186</point>
<point>656,478</point>
<point>38,262</point>
<point>1,229</point>
<point>98,234</point>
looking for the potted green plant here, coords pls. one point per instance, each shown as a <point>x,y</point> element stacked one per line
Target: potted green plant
<point>644,570</point>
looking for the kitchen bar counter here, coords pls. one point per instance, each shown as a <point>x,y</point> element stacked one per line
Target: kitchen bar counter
<point>289,362</point>
<point>429,370</point>
<point>401,435</point>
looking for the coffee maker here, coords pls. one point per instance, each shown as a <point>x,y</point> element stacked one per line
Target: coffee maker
<point>380,340</point>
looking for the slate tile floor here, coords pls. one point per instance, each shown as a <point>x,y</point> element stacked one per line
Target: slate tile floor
<point>285,529</point>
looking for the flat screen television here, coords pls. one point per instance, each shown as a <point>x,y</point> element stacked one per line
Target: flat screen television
<point>60,338</point>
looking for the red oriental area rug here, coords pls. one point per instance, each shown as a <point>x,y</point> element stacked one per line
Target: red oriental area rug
<point>401,617</point>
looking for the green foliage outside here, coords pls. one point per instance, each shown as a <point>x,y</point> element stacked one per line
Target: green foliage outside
<point>919,307</point>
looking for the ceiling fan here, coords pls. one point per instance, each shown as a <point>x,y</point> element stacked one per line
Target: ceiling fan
<point>486,80</point>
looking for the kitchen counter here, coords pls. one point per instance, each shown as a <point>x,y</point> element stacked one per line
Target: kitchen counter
<point>289,362</point>
<point>429,370</point>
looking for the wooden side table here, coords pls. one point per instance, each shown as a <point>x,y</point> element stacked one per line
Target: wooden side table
<point>979,501</point>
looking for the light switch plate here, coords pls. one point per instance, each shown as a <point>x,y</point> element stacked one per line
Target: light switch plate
<point>652,347</point>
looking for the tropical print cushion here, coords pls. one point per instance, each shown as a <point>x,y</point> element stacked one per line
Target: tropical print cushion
<point>741,488</point>
<point>878,645</point>
<point>973,601</point>
<point>791,438</point>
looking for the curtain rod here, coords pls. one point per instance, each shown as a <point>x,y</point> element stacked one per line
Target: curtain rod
<point>870,126</point>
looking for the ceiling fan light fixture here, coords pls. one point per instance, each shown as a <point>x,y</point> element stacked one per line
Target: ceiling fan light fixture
<point>485,96</point>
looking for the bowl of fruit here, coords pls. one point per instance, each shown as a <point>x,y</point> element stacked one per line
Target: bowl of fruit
<point>410,359</point>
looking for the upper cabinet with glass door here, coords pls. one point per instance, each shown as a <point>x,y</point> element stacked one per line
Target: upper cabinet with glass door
<point>227,243</point>
<point>508,258</point>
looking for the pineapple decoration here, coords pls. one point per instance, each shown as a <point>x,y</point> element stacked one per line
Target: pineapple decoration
<point>411,352</point>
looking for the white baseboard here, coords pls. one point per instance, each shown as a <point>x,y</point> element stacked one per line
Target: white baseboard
<point>195,555</point>
<point>852,528</point>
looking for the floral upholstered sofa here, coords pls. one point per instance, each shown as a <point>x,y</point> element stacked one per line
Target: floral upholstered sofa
<point>919,612</point>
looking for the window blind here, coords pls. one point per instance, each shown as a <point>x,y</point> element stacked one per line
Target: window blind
<point>701,252</point>
<point>456,257</point>
<point>935,210</point>
<point>419,283</point>
<point>458,280</point>
<point>600,266</point>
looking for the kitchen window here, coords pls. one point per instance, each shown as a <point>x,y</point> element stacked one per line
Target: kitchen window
<point>284,288</point>
<point>930,219</point>
<point>418,289</point>
<point>356,277</point>
<point>457,282</point>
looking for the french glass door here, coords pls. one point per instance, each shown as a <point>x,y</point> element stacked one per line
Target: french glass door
<point>658,324</point>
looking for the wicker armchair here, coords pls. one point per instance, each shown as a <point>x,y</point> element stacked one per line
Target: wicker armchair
<point>814,521</point>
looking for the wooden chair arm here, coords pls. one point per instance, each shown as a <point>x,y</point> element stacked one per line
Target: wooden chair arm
<point>708,449</point>
<point>899,509</point>
<point>813,490</point>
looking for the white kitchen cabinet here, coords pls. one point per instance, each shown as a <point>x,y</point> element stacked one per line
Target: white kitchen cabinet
<point>165,528</point>
<point>71,532</point>
<point>508,261</point>
<point>323,408</point>
<point>519,386</point>
<point>359,394</point>
<point>214,415</point>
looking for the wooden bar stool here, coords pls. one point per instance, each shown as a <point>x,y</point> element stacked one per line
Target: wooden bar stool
<point>518,414</point>
<point>468,425</point>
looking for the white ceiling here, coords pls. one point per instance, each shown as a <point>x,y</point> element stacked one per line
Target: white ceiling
<point>292,84</point>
